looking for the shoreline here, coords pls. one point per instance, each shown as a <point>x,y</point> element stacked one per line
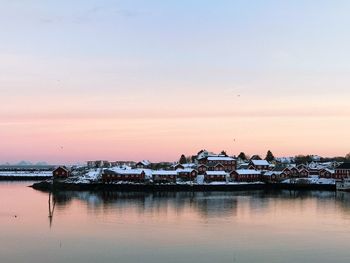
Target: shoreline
<point>23,178</point>
<point>47,186</point>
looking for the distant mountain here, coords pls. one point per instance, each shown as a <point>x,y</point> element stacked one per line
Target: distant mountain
<point>22,163</point>
<point>41,163</point>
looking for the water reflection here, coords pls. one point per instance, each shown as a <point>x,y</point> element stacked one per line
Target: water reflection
<point>206,204</point>
<point>206,227</point>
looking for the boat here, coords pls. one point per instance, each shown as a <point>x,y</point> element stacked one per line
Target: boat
<point>343,185</point>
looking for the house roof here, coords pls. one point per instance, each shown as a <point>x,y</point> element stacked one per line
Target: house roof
<point>185,170</point>
<point>260,162</point>
<point>344,166</point>
<point>243,165</point>
<point>220,158</point>
<point>214,164</point>
<point>164,172</point>
<point>328,170</point>
<point>247,172</point>
<point>217,173</point>
<point>279,168</point>
<point>118,170</point>
<point>144,162</point>
<point>62,167</point>
<point>270,173</point>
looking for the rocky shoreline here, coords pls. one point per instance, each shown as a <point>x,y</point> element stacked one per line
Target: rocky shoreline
<point>63,186</point>
<point>22,178</point>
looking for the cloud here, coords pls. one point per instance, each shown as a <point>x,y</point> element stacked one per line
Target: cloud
<point>89,15</point>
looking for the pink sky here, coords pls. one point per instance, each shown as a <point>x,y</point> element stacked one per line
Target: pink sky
<point>86,81</point>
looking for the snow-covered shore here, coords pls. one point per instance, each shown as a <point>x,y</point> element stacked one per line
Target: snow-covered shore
<point>25,174</point>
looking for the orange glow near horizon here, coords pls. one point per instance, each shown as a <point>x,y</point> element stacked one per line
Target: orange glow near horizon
<point>141,91</point>
<point>73,140</point>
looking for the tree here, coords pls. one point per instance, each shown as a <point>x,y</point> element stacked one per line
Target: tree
<point>302,159</point>
<point>182,159</point>
<point>193,158</point>
<point>188,159</point>
<point>255,157</point>
<point>347,157</point>
<point>223,153</point>
<point>269,156</point>
<point>242,156</point>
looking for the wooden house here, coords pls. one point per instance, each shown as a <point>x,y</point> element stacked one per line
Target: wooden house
<point>143,164</point>
<point>123,175</point>
<point>61,172</point>
<point>259,165</point>
<point>229,163</point>
<point>342,171</point>
<point>304,172</point>
<point>164,176</point>
<point>246,175</point>
<point>326,173</point>
<point>273,176</point>
<point>187,174</point>
<point>202,168</point>
<point>215,176</point>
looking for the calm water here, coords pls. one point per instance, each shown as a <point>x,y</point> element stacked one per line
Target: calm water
<point>173,227</point>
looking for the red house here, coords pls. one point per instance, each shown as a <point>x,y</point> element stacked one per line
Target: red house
<point>61,172</point>
<point>162,176</point>
<point>326,173</point>
<point>342,171</point>
<point>187,174</point>
<point>259,164</point>
<point>215,176</point>
<point>304,172</point>
<point>273,176</point>
<point>178,166</point>
<point>143,164</point>
<point>127,175</point>
<point>294,171</point>
<point>202,168</point>
<point>228,163</point>
<point>246,175</point>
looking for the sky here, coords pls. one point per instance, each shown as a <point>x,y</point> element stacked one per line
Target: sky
<point>131,80</point>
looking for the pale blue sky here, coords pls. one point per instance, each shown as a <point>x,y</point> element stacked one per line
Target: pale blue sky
<point>224,43</point>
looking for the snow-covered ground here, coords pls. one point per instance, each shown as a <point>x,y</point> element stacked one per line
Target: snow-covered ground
<point>311,180</point>
<point>26,173</point>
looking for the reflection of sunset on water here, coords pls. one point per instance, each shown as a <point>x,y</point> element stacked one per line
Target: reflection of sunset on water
<point>132,225</point>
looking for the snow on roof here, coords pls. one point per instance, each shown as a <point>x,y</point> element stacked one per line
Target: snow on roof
<point>145,162</point>
<point>26,173</point>
<point>220,158</point>
<point>125,171</point>
<point>270,173</point>
<point>62,167</point>
<point>185,170</point>
<point>260,162</point>
<point>164,172</point>
<point>216,173</point>
<point>189,165</point>
<point>93,174</point>
<point>247,172</point>
<point>148,172</point>
<point>185,165</point>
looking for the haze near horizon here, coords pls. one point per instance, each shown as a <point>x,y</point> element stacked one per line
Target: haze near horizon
<point>137,80</point>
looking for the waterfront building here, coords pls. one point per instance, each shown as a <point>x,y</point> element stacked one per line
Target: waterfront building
<point>215,176</point>
<point>246,175</point>
<point>259,165</point>
<point>342,171</point>
<point>61,172</point>
<point>164,176</point>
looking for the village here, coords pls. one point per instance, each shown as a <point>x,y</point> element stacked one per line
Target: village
<point>208,168</point>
